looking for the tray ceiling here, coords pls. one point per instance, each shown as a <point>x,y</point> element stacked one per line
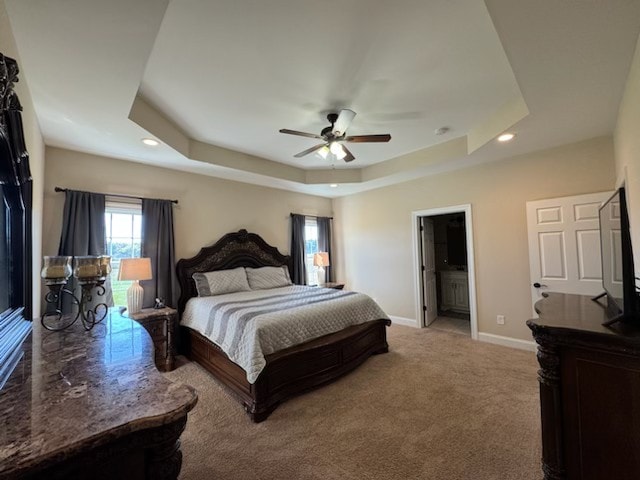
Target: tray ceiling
<point>215,81</point>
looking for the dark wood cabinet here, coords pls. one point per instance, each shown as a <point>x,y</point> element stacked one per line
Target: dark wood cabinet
<point>16,198</point>
<point>161,324</point>
<point>589,391</point>
<point>334,285</point>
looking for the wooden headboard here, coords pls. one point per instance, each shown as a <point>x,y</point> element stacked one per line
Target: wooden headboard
<point>236,249</point>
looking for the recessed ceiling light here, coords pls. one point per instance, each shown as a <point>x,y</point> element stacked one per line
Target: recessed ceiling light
<point>506,137</point>
<point>334,185</point>
<point>151,142</point>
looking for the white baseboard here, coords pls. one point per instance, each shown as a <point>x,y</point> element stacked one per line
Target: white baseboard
<point>407,322</point>
<point>507,341</point>
<point>528,345</point>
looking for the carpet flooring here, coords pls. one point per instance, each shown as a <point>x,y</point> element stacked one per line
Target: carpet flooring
<point>437,406</point>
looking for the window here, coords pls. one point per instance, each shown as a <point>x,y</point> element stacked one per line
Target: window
<point>123,226</point>
<point>310,247</point>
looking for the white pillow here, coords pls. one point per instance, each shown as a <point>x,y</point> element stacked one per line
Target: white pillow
<point>221,281</point>
<point>268,277</point>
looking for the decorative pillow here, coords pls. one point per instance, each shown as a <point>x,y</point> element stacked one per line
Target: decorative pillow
<point>221,281</point>
<point>268,277</point>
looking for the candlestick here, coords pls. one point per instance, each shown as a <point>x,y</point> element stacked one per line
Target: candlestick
<point>56,269</point>
<point>91,272</point>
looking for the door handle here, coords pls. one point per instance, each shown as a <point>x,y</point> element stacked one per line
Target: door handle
<point>538,285</point>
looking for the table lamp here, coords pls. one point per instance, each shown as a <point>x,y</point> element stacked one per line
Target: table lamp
<point>135,269</point>
<point>321,260</point>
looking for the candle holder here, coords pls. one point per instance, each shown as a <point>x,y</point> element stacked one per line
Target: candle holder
<point>91,273</point>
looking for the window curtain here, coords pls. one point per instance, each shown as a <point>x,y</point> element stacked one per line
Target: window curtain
<point>297,249</point>
<point>83,233</point>
<point>324,244</point>
<point>158,245</point>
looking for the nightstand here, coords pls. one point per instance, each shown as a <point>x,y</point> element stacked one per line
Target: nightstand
<point>160,323</point>
<point>337,286</point>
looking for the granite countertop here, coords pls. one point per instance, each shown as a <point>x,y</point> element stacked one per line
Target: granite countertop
<point>76,390</point>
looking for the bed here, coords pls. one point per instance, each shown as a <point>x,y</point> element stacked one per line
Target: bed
<point>288,372</point>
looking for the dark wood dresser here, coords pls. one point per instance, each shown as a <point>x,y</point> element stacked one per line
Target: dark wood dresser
<point>589,391</point>
<point>91,405</point>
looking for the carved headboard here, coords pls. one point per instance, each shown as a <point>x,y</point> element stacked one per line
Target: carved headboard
<point>236,249</point>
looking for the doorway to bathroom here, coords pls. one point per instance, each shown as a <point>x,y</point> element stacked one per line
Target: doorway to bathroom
<point>445,277</point>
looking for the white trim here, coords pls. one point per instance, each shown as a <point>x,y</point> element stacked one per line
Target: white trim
<point>471,270</point>
<point>407,322</point>
<point>508,341</point>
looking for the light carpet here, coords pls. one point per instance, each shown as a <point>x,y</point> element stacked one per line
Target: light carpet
<point>437,406</point>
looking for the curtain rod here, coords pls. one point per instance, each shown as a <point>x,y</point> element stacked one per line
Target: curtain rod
<point>59,189</point>
<point>312,216</point>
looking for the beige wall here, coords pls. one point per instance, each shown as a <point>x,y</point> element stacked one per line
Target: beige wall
<point>208,207</point>
<point>375,249</point>
<point>35,147</point>
<point>627,150</point>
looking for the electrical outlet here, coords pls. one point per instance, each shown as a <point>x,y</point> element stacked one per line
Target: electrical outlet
<point>500,320</point>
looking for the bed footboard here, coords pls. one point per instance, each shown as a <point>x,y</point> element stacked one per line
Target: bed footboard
<point>294,370</point>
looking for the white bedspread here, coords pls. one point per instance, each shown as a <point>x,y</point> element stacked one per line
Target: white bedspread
<point>247,326</point>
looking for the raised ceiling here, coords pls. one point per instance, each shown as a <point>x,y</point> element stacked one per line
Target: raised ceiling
<point>241,70</point>
<point>215,81</point>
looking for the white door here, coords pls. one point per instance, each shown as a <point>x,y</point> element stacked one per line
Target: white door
<point>429,295</point>
<point>564,245</point>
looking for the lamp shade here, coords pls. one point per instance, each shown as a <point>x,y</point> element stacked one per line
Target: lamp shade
<point>321,259</point>
<point>135,269</point>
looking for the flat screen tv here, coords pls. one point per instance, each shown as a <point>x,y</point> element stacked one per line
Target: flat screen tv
<point>618,277</point>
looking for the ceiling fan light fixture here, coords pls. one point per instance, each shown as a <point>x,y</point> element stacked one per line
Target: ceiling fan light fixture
<point>334,135</point>
<point>337,150</point>
<point>324,152</point>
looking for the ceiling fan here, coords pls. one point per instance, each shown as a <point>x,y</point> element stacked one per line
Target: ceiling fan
<point>335,135</point>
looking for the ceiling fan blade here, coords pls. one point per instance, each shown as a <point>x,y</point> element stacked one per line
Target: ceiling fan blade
<point>368,138</point>
<point>301,134</point>
<point>345,118</point>
<point>309,150</point>
<point>349,157</point>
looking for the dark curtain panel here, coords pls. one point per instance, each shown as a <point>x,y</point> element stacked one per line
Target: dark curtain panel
<point>158,245</point>
<point>324,244</point>
<point>83,231</point>
<point>297,249</point>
